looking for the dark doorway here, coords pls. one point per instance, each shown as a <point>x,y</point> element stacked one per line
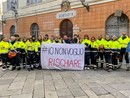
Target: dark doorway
<point>66,28</point>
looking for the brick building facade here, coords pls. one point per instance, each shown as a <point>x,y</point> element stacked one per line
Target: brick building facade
<point>100,19</point>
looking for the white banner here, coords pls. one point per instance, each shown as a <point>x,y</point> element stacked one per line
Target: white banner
<point>62,56</point>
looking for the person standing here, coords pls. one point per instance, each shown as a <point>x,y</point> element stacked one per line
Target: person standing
<point>76,39</point>
<point>86,42</point>
<point>107,51</point>
<point>100,42</point>
<point>66,40</point>
<point>115,51</point>
<point>4,49</point>
<point>124,40</point>
<point>15,60</point>
<point>30,48</point>
<point>94,52</point>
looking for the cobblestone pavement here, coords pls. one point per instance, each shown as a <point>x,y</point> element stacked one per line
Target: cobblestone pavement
<point>64,84</point>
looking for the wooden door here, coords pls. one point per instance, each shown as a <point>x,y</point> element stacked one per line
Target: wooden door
<point>66,28</point>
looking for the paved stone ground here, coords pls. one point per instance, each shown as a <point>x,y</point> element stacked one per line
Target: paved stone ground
<point>64,84</point>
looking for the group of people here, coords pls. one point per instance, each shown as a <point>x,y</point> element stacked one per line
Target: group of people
<point>25,52</point>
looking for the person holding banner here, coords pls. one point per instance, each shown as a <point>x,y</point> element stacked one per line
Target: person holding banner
<point>87,42</point>
<point>124,40</point>
<point>66,40</point>
<point>94,52</point>
<point>76,39</point>
<point>56,40</point>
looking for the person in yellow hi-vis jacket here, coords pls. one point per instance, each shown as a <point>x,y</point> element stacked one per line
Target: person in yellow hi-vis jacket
<point>100,42</point>
<point>21,46</point>
<point>46,39</point>
<point>115,51</point>
<point>4,49</point>
<point>14,54</point>
<point>30,48</point>
<point>124,40</point>
<point>23,52</point>
<point>107,51</point>
<point>56,40</point>
<point>94,52</point>
<point>86,42</point>
<point>37,54</point>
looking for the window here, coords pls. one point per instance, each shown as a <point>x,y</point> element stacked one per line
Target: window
<point>8,5</point>
<point>12,30</point>
<point>35,30</point>
<point>12,4</point>
<point>28,2</point>
<point>33,1</point>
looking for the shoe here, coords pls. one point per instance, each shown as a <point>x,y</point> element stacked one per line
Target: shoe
<point>24,67</point>
<point>115,67</point>
<point>18,68</point>
<point>32,67</point>
<point>4,69</point>
<point>128,69</point>
<point>13,68</point>
<point>109,70</point>
<point>29,69</point>
<point>95,68</point>
<point>119,67</point>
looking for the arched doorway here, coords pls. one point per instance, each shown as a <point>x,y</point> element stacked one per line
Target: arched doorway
<point>12,30</point>
<point>117,25</point>
<point>35,30</point>
<point>66,28</point>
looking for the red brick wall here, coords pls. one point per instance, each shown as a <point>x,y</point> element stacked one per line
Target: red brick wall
<point>91,23</point>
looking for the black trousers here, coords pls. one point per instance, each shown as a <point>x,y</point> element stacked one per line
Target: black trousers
<point>108,57</point>
<point>4,58</point>
<point>100,55</point>
<point>30,58</point>
<point>114,60</point>
<point>15,61</point>
<point>94,56</point>
<point>87,58</point>
<point>123,52</point>
<point>23,56</point>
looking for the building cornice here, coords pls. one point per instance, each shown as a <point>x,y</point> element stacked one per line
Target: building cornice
<point>54,8</point>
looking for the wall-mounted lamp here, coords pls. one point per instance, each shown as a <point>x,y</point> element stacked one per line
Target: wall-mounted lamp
<point>85,5</point>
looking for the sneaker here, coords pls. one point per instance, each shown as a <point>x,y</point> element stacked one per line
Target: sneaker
<point>29,69</point>
<point>4,69</point>
<point>13,68</point>
<point>119,67</point>
<point>18,68</point>
<point>109,70</point>
<point>128,69</point>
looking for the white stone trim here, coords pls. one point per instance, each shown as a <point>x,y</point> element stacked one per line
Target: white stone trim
<point>53,8</point>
